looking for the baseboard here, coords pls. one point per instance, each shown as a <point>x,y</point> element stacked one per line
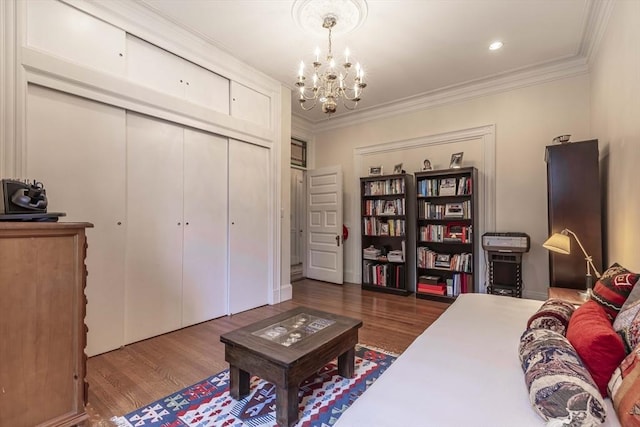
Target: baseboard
<point>285,294</point>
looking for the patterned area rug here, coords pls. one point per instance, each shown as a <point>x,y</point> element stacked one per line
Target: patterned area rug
<point>323,397</point>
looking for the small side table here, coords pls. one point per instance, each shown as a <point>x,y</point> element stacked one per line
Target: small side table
<point>574,296</point>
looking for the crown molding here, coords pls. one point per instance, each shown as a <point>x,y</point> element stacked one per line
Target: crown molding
<point>597,18</point>
<point>595,27</point>
<point>300,126</point>
<point>571,67</point>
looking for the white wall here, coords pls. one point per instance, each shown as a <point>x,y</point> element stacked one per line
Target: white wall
<point>526,120</point>
<point>615,117</point>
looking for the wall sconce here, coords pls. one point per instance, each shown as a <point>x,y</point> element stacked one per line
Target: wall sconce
<point>561,243</point>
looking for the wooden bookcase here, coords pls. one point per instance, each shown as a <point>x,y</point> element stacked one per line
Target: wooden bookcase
<point>446,241</point>
<point>384,227</point>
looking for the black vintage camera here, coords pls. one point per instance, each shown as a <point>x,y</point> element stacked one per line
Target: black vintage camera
<point>21,197</point>
<point>25,201</point>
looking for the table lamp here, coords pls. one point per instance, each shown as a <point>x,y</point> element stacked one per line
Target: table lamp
<point>561,243</point>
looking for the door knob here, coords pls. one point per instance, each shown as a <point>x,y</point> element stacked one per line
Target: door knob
<point>338,240</point>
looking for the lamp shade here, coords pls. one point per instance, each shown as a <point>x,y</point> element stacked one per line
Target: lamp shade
<point>558,242</point>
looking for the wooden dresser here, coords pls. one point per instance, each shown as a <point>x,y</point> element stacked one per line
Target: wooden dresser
<point>42,330</point>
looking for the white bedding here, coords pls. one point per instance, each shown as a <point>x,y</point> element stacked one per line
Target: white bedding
<point>463,370</point>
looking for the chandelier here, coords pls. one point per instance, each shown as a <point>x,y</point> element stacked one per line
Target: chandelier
<point>330,82</point>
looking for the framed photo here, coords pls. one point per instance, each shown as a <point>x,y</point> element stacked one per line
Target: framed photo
<point>447,187</point>
<point>384,229</point>
<point>375,170</point>
<point>390,208</point>
<point>397,168</point>
<point>453,210</point>
<point>426,165</point>
<point>456,160</point>
<point>443,260</point>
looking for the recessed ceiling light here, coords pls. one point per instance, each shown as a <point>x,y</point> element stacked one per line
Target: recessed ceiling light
<point>495,45</point>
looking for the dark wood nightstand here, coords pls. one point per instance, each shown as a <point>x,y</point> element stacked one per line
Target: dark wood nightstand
<point>574,296</point>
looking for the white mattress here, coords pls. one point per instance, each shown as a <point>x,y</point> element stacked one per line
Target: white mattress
<point>463,370</point>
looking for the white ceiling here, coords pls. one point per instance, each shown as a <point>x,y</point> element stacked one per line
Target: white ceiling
<point>409,48</point>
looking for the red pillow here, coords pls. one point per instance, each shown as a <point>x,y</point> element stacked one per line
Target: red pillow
<point>613,288</point>
<point>600,348</point>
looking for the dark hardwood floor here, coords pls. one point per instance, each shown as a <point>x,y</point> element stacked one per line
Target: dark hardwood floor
<point>125,379</point>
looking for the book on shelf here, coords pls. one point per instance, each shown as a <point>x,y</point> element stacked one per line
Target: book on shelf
<point>449,283</point>
<point>395,256</point>
<point>432,289</point>
<point>429,279</point>
<point>371,253</point>
<point>447,187</point>
<point>464,186</point>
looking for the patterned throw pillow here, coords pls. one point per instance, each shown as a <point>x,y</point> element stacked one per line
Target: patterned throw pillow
<point>598,345</point>
<point>554,314</point>
<point>613,288</point>
<point>560,387</point>
<point>627,323</point>
<point>624,389</point>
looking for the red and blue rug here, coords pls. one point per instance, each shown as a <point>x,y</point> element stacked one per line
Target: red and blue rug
<point>323,398</point>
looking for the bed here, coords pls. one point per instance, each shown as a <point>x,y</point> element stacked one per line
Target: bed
<point>463,370</point>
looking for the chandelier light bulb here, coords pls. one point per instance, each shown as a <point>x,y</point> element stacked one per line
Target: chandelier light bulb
<point>346,56</point>
<point>317,53</point>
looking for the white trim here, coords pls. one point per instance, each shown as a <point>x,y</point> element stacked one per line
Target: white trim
<point>595,28</point>
<point>8,89</point>
<point>286,292</point>
<point>486,175</point>
<point>276,284</point>
<point>56,73</point>
<point>463,92</point>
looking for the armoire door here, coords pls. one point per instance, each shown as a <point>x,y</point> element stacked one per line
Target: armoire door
<point>76,148</point>
<point>249,252</point>
<point>153,291</point>
<point>204,273</point>
<point>573,202</point>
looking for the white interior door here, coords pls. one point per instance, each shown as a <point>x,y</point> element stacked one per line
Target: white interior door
<point>324,224</point>
<point>204,273</point>
<point>153,291</point>
<point>249,272</point>
<point>76,147</point>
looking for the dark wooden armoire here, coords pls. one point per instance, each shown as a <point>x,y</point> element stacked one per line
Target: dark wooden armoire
<point>573,202</point>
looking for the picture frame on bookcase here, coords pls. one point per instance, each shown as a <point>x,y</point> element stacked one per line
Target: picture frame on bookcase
<point>456,160</point>
<point>453,210</point>
<point>375,170</point>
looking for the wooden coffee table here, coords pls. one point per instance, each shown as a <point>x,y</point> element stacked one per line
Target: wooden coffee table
<point>285,350</point>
